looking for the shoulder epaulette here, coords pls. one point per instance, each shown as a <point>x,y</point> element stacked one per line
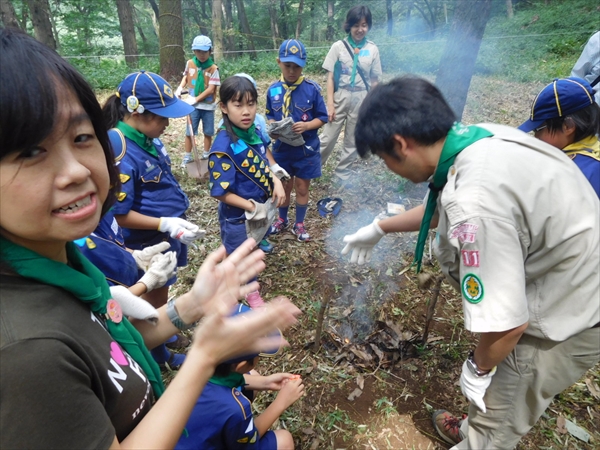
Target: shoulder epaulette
<point>314,83</point>
<point>118,152</point>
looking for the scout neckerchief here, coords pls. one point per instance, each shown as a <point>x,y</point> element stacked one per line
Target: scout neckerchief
<point>356,48</point>
<point>590,146</point>
<point>199,86</point>
<point>139,138</point>
<point>249,136</point>
<point>287,97</point>
<point>459,137</point>
<point>232,380</point>
<point>82,279</point>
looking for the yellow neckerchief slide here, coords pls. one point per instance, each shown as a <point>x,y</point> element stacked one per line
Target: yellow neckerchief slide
<point>590,146</point>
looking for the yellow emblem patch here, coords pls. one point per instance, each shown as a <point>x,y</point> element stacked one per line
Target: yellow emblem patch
<point>245,163</point>
<point>250,154</point>
<point>211,164</point>
<point>263,179</point>
<point>124,178</point>
<point>294,49</point>
<point>258,174</point>
<point>121,196</point>
<point>216,175</point>
<point>224,184</point>
<point>167,90</point>
<point>252,169</point>
<point>210,185</point>
<point>253,440</point>
<point>90,244</point>
<point>256,160</point>
<point>226,166</point>
<point>219,155</point>
<point>262,164</point>
<point>243,440</point>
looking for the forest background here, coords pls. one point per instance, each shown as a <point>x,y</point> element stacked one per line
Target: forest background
<point>375,356</point>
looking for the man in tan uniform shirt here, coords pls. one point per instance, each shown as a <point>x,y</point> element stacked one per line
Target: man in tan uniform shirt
<point>521,246</point>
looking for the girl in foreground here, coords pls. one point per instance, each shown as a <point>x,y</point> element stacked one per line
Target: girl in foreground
<point>74,372</point>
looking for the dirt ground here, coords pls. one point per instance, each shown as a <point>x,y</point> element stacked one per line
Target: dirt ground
<point>371,382</point>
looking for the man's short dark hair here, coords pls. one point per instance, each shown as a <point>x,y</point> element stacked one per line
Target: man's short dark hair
<point>409,106</point>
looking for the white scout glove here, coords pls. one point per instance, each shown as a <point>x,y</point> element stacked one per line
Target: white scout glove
<point>143,257</point>
<point>178,91</point>
<point>134,306</point>
<point>259,220</point>
<point>474,387</point>
<point>362,242</point>
<point>280,172</point>
<point>182,230</point>
<point>162,268</point>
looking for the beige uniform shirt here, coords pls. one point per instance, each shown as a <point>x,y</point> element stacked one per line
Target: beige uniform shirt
<point>368,60</point>
<point>519,236</point>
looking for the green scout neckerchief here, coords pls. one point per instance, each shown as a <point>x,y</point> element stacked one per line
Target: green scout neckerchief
<point>356,48</point>
<point>459,137</point>
<point>82,279</point>
<point>287,97</point>
<point>139,138</point>
<point>232,380</point>
<point>249,136</point>
<point>199,86</point>
<point>590,146</point>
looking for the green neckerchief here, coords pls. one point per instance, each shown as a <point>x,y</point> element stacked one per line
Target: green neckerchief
<point>355,46</point>
<point>199,86</point>
<point>459,137</point>
<point>249,136</point>
<point>139,138</point>
<point>287,97</point>
<point>82,279</point>
<point>232,380</point>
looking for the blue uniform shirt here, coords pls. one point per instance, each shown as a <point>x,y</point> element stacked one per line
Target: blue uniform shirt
<point>222,419</point>
<point>591,169</point>
<point>306,104</point>
<point>105,248</point>
<point>149,188</point>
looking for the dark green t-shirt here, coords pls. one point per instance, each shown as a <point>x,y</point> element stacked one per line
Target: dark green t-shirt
<point>64,382</point>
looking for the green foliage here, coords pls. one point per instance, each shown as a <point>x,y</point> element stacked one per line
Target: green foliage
<point>107,73</point>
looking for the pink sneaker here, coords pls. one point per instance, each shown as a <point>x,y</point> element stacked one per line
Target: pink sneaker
<point>254,300</point>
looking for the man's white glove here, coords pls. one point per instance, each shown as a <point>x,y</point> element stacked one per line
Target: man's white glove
<point>474,387</point>
<point>362,242</point>
<point>134,306</point>
<point>143,257</point>
<point>260,220</point>
<point>178,91</point>
<point>162,268</point>
<point>182,230</point>
<point>280,172</point>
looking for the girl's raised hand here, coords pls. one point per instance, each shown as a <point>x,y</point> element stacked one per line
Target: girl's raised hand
<point>221,281</point>
<point>219,337</point>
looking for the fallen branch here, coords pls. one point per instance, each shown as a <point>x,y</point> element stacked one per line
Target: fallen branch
<point>319,329</point>
<point>431,307</point>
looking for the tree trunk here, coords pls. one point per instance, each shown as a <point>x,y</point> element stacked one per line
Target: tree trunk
<point>274,25</point>
<point>245,26</point>
<point>154,7</point>
<point>9,17</point>
<point>228,35</point>
<point>390,17</point>
<point>460,53</point>
<point>284,28</point>
<point>330,29</point>
<point>125,13</point>
<point>136,21</point>
<point>509,9</point>
<point>312,22</point>
<point>40,17</point>
<point>299,22</point>
<point>217,8</point>
<point>172,56</point>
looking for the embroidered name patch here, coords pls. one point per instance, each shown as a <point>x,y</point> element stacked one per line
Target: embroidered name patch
<point>470,258</point>
<point>465,232</point>
<point>472,288</point>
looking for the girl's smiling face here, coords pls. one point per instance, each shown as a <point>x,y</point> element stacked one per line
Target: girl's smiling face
<point>53,193</point>
<point>241,112</point>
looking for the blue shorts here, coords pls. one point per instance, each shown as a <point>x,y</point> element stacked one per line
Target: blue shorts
<point>233,230</point>
<point>268,441</point>
<point>302,162</point>
<point>208,122</point>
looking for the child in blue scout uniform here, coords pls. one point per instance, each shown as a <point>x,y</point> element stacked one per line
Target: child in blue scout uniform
<point>222,417</point>
<point>238,164</point>
<point>565,115</point>
<point>299,98</point>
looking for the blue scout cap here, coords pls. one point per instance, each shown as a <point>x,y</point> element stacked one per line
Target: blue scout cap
<point>293,50</point>
<point>146,91</point>
<point>242,309</point>
<point>202,42</point>
<point>560,98</point>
